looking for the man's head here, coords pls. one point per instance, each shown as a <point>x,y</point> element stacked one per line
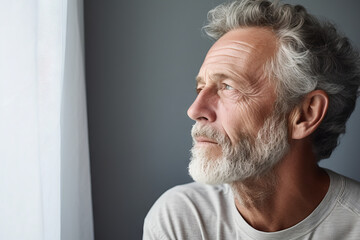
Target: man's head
<point>270,62</point>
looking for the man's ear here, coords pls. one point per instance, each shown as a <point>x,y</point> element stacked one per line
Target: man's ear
<point>308,116</point>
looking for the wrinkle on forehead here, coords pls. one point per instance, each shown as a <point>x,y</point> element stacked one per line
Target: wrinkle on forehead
<point>242,51</point>
<point>234,45</point>
<point>229,49</point>
<point>225,71</point>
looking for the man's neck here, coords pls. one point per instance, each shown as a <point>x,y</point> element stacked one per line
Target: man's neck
<point>284,196</point>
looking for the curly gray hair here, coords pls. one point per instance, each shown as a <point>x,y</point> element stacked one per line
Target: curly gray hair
<point>311,55</point>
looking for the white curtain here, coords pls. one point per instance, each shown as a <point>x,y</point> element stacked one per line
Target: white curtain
<point>45,189</point>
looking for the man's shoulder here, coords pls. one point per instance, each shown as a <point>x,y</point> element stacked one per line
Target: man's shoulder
<point>350,197</point>
<point>342,210</point>
<point>183,211</point>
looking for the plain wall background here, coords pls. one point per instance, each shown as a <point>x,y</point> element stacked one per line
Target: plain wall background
<point>141,61</point>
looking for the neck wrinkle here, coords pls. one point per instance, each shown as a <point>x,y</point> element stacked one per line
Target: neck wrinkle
<point>256,192</point>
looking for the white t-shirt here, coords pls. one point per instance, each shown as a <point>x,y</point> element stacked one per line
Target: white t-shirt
<point>197,211</point>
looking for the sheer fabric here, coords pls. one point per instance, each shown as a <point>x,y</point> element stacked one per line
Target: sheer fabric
<point>44,160</point>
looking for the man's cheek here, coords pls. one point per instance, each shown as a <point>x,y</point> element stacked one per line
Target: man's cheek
<point>246,122</point>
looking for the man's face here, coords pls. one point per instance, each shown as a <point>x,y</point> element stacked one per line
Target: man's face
<point>235,99</point>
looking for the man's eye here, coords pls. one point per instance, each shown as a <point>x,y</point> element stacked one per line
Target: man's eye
<point>228,87</point>
<point>198,90</point>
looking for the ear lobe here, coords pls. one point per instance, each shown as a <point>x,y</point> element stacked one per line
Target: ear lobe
<point>308,116</point>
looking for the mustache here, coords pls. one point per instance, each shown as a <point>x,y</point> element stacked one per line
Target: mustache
<point>199,130</point>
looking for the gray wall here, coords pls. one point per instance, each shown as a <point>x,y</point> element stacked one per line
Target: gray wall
<point>141,60</point>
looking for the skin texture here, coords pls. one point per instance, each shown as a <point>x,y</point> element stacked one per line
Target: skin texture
<point>236,96</point>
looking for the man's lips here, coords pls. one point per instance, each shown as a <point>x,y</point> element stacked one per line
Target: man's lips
<point>205,140</point>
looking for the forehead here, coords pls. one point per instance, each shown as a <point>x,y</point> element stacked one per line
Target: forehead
<point>241,52</point>
<point>252,37</point>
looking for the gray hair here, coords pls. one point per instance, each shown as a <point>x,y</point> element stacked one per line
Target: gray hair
<point>311,55</point>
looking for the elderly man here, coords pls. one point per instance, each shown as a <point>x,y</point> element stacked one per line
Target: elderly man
<point>274,94</point>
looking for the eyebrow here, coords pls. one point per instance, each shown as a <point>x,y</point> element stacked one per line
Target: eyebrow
<point>216,77</point>
<point>199,80</point>
<point>221,76</point>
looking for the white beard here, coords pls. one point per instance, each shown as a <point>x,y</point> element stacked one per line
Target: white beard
<point>247,158</point>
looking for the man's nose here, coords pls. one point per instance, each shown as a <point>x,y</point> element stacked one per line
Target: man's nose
<point>202,108</point>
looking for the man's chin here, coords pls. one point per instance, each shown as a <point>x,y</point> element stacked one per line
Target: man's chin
<point>208,172</point>
<point>216,171</point>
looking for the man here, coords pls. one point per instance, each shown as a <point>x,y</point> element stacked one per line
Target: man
<point>274,94</point>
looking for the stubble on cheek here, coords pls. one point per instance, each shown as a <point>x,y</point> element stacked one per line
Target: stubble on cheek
<point>245,120</point>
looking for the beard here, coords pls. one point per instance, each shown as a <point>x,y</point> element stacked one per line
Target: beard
<point>248,158</point>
